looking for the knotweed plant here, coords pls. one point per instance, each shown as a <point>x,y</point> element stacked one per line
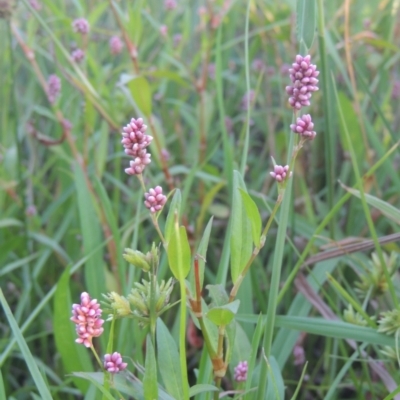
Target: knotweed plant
<point>149,299</point>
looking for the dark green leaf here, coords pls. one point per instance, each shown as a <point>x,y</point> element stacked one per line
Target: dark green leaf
<point>150,384</point>
<point>168,361</point>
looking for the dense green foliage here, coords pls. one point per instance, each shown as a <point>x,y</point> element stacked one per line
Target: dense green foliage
<point>68,210</point>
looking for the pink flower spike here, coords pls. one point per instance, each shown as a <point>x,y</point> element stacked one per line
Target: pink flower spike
<point>86,316</point>
<point>155,199</point>
<point>78,55</point>
<point>303,75</point>
<point>113,363</point>
<point>304,127</point>
<point>241,371</point>
<point>116,45</point>
<point>53,88</point>
<point>81,25</point>
<point>280,173</point>
<point>170,4</point>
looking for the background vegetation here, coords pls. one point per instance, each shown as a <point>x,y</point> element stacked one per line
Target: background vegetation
<point>68,209</point>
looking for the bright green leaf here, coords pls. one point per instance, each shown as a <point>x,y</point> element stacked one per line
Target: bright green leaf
<point>254,216</point>
<point>223,315</point>
<point>241,231</point>
<point>174,206</point>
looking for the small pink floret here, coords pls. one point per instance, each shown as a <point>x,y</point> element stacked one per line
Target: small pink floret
<point>113,363</point>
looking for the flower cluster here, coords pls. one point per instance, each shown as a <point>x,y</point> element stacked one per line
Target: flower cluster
<point>81,25</point>
<point>53,88</point>
<point>116,45</point>
<point>135,142</point>
<point>113,363</point>
<point>280,173</point>
<point>303,75</point>
<point>170,4</point>
<point>86,316</point>
<point>304,127</point>
<point>155,199</point>
<point>241,371</point>
<point>78,55</point>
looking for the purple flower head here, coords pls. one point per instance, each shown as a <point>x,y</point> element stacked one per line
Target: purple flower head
<point>113,363</point>
<point>35,5</point>
<point>258,65</point>
<point>177,39</point>
<point>249,97</point>
<point>86,316</point>
<point>241,371</point>
<point>134,138</point>
<point>116,45</point>
<point>53,88</point>
<point>164,30</point>
<point>303,75</point>
<point>81,25</point>
<point>170,4</point>
<point>280,173</point>
<point>155,199</point>
<point>304,127</point>
<point>78,55</point>
<point>299,355</point>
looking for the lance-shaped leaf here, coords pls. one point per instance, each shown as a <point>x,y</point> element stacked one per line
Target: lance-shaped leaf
<point>150,384</point>
<point>241,237</point>
<point>174,206</point>
<point>178,251</point>
<point>223,315</point>
<point>201,252</point>
<point>168,361</point>
<point>253,215</point>
<point>141,93</point>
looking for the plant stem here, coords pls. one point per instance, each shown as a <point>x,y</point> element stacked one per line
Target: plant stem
<point>182,340</point>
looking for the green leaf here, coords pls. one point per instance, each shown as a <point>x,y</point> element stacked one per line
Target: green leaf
<point>218,295</point>
<point>306,23</point>
<point>26,353</point>
<point>150,384</point>
<point>351,121</point>
<point>385,208</point>
<point>253,215</point>
<point>141,93</point>
<point>75,357</point>
<point>201,388</point>
<point>202,252</point>
<point>168,361</point>
<point>174,206</point>
<point>178,252</point>
<point>90,228</point>
<point>276,387</point>
<point>241,231</point>
<point>223,315</point>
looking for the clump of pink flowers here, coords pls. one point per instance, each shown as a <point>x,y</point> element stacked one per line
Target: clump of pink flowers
<point>113,363</point>
<point>170,4</point>
<point>81,25</point>
<point>116,45</point>
<point>53,88</point>
<point>135,142</point>
<point>304,127</point>
<point>78,55</point>
<point>241,371</point>
<point>155,199</point>
<point>280,173</point>
<point>87,317</point>
<point>303,75</point>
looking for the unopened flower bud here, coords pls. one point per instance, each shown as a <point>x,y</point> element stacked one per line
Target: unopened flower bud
<point>137,259</point>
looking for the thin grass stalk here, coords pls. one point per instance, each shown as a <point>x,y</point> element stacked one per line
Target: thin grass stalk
<point>243,162</point>
<point>275,278</point>
<point>329,142</point>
